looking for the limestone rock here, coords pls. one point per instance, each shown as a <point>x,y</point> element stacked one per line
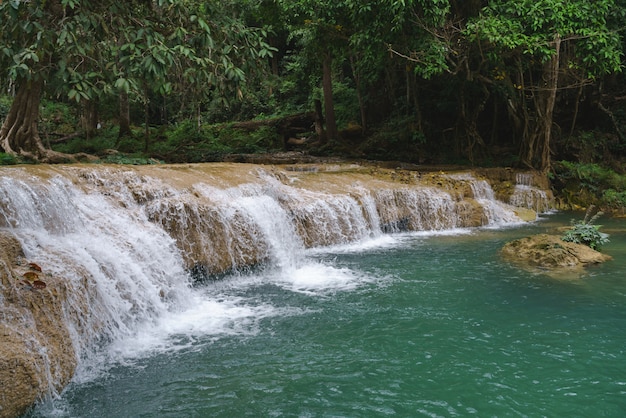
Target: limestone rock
<point>37,357</point>
<point>526,215</point>
<point>550,252</point>
<point>203,208</point>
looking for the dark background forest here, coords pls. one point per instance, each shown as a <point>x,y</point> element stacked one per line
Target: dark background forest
<point>528,84</point>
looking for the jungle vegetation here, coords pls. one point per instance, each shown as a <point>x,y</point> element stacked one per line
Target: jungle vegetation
<point>527,83</point>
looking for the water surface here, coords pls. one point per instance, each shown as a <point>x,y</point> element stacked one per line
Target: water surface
<point>406,325</point>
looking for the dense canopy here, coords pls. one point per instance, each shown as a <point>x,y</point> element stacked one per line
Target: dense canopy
<point>516,82</point>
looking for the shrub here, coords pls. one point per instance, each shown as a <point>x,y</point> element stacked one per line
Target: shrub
<point>614,199</point>
<point>585,232</point>
<point>583,184</point>
<point>7,159</point>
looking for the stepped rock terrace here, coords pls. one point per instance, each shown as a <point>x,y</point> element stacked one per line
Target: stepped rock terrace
<point>118,246</point>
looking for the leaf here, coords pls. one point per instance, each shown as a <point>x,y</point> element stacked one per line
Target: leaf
<point>122,84</point>
<point>38,284</point>
<point>204,25</point>
<point>34,267</point>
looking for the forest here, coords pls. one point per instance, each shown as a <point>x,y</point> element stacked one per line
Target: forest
<point>533,84</point>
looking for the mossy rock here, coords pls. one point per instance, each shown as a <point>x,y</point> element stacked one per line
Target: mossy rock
<point>551,252</point>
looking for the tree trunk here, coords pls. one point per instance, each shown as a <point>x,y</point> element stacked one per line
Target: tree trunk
<point>319,122</point>
<point>90,118</point>
<point>552,84</point>
<point>416,103</point>
<point>359,95</point>
<point>329,107</point>
<point>536,152</point>
<point>19,134</point>
<point>467,122</point>
<point>124,118</point>
<point>146,120</point>
<point>576,109</point>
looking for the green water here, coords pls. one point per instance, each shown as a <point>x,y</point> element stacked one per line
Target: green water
<point>425,326</point>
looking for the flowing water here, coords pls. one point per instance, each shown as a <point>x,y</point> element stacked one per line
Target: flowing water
<point>425,323</point>
<point>408,325</point>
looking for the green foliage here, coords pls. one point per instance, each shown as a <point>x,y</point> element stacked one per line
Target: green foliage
<point>582,184</point>
<point>238,141</point>
<point>7,159</point>
<point>129,160</point>
<point>89,50</point>
<point>184,62</point>
<point>585,232</point>
<point>346,104</point>
<point>587,146</point>
<point>530,27</point>
<point>105,139</point>
<point>419,35</point>
<point>190,143</point>
<point>57,119</point>
<point>614,199</point>
<point>591,175</point>
<point>5,105</point>
<point>398,139</point>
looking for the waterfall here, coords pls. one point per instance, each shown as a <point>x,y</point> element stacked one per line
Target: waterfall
<point>127,243</point>
<point>526,195</point>
<point>494,211</point>
<point>416,209</point>
<point>128,268</point>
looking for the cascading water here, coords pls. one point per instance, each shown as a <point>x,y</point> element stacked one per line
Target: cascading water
<point>416,209</point>
<point>126,240</point>
<point>494,211</point>
<point>126,269</point>
<point>526,195</point>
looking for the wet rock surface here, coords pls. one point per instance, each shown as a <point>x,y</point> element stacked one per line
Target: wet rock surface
<point>36,353</point>
<point>550,252</point>
<point>48,315</point>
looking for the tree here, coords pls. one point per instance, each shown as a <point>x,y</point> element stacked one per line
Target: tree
<point>88,49</point>
<point>318,26</point>
<point>26,56</point>
<point>533,44</point>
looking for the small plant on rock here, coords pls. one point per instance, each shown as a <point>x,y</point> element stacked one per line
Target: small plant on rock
<point>585,232</point>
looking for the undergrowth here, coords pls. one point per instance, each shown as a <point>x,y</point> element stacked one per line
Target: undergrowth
<point>582,184</point>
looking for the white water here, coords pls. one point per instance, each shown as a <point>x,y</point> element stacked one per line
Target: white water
<point>495,213</point>
<point>111,256</point>
<point>108,236</point>
<point>525,195</point>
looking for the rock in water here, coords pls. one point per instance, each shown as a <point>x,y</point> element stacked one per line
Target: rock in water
<point>551,252</point>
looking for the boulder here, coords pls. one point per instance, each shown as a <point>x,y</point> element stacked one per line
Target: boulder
<point>552,253</point>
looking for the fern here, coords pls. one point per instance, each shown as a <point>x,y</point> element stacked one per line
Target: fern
<point>585,232</point>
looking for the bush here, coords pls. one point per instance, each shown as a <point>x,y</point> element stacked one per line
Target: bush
<point>586,233</point>
<point>56,119</point>
<point>129,160</point>
<point>398,139</point>
<point>208,142</point>
<point>584,184</point>
<point>614,199</point>
<point>103,140</point>
<point>7,159</point>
